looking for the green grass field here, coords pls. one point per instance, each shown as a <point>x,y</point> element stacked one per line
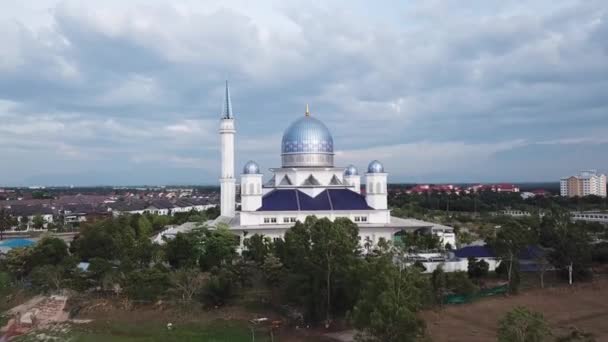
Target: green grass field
<point>216,331</point>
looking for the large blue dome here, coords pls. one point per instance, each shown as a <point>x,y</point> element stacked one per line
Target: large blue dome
<point>307,142</point>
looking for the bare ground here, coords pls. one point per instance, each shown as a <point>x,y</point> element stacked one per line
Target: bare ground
<point>583,307</point>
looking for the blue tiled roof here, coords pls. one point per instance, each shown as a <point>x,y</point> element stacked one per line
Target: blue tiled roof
<point>343,199</point>
<point>295,200</point>
<point>280,200</point>
<point>474,252</point>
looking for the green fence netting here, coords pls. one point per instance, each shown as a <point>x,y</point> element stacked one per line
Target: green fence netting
<point>460,299</point>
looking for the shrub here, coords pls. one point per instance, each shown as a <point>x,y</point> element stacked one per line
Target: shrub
<point>460,284</point>
<point>478,268</point>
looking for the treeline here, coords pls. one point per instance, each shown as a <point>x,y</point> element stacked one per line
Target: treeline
<point>488,201</point>
<point>317,274</point>
<point>553,242</point>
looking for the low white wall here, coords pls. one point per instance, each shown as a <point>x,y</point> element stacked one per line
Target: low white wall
<point>457,265</point>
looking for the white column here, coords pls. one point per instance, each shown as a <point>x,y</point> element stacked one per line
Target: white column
<point>227,180</point>
<point>375,190</point>
<point>251,192</point>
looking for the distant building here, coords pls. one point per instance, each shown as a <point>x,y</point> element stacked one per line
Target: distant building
<point>24,215</point>
<point>425,188</point>
<point>587,182</point>
<point>590,216</point>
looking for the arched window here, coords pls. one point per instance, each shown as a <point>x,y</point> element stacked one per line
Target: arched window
<point>251,188</point>
<point>370,186</point>
<point>378,187</point>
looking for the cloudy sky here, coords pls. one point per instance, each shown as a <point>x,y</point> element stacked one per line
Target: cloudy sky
<point>130,92</point>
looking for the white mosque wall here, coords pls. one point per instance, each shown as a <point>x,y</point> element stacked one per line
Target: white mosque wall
<point>368,233</point>
<point>457,265</point>
<point>374,234</point>
<point>269,218</point>
<point>379,216</point>
<point>354,181</point>
<point>312,192</point>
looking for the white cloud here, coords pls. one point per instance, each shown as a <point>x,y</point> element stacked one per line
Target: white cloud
<point>417,159</point>
<point>423,84</point>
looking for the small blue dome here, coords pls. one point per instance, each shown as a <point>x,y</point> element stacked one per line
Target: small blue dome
<point>351,170</point>
<point>251,168</point>
<point>307,135</point>
<point>375,167</point>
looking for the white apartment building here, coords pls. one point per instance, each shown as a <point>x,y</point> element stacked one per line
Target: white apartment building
<point>587,182</point>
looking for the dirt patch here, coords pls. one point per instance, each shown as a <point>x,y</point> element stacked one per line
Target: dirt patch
<point>582,306</point>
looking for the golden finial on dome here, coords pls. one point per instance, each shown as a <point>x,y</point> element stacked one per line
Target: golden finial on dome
<point>307,113</point>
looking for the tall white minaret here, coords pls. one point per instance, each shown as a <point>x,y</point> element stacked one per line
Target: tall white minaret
<point>227,180</point>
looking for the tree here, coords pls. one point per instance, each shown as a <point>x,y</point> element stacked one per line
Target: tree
<point>38,222</point>
<point>570,246</point>
<point>18,262</point>
<point>218,247</point>
<point>477,268</point>
<point>110,239</point>
<point>333,244</point>
<point>144,227</point>
<point>460,284</point>
<point>6,222</point>
<point>387,306</point>
<point>274,271</point>
<point>540,257</point>
<point>23,222</point>
<point>419,265</point>
<point>182,251</point>
<point>322,259</point>
<point>187,282</point>
<point>439,283</point>
<point>147,284</point>
<point>523,325</point>
<point>48,277</point>
<point>509,242</point>
<point>220,287</point>
<point>257,247</point>
<point>599,253</point>
<point>103,273</point>
<point>49,251</point>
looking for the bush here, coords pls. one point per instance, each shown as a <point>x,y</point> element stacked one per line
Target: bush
<point>502,270</point>
<point>419,265</point>
<point>148,284</point>
<point>47,277</point>
<point>599,253</point>
<point>478,268</point>
<point>5,281</point>
<point>523,325</point>
<point>219,288</point>
<point>460,284</point>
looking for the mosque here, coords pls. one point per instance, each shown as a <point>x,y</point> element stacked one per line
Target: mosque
<point>307,183</point>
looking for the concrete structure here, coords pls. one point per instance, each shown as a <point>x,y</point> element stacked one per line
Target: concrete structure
<point>590,216</point>
<point>227,180</point>
<point>308,183</point>
<point>587,182</point>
